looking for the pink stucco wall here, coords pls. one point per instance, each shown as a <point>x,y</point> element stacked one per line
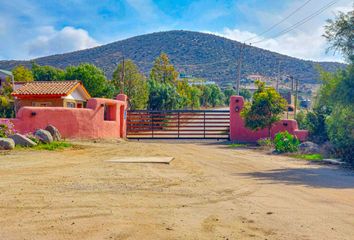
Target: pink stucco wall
<point>79,123</point>
<point>238,131</point>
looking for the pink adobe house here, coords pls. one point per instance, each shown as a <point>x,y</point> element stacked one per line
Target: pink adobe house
<point>102,118</point>
<point>238,131</point>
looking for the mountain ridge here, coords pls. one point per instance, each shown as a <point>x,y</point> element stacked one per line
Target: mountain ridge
<point>199,54</point>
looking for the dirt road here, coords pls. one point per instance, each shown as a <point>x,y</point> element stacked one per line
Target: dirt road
<point>208,192</point>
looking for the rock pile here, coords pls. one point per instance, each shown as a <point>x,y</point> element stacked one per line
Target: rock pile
<point>47,135</point>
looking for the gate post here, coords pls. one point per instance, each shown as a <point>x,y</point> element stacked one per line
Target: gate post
<point>123,115</point>
<point>236,121</point>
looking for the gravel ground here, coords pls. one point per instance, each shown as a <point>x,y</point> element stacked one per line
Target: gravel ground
<point>209,191</point>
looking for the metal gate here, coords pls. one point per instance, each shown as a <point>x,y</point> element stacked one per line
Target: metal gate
<point>178,124</point>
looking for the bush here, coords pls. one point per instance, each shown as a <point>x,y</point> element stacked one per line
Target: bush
<point>316,124</point>
<point>285,142</point>
<point>340,128</point>
<point>6,128</point>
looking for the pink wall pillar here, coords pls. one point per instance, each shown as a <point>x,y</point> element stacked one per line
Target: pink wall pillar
<point>238,131</point>
<point>123,114</point>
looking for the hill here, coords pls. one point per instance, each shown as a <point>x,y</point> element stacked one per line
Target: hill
<point>193,53</point>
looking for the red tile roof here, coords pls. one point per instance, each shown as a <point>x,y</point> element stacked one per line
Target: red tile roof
<point>47,88</point>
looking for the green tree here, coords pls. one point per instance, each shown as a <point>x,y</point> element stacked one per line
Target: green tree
<point>266,108</point>
<point>135,84</point>
<point>6,100</point>
<point>216,95</point>
<point>246,94</point>
<point>333,114</point>
<point>205,96</point>
<point>340,34</point>
<point>228,92</point>
<point>163,71</point>
<point>315,123</point>
<point>162,96</point>
<point>184,91</point>
<point>335,100</point>
<point>47,73</point>
<point>22,74</point>
<point>195,94</point>
<point>92,78</point>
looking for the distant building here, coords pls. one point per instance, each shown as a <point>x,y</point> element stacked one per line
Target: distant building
<point>255,77</point>
<point>199,83</point>
<point>305,103</point>
<point>71,94</point>
<point>183,75</point>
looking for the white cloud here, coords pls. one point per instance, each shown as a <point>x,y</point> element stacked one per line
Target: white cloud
<point>305,42</point>
<point>51,41</point>
<point>310,46</point>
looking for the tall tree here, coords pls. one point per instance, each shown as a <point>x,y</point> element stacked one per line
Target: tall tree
<point>335,97</point>
<point>216,95</point>
<point>265,109</point>
<point>163,71</point>
<point>228,92</point>
<point>6,100</point>
<point>163,96</point>
<point>22,74</point>
<point>340,34</point>
<point>47,73</point>
<point>183,89</point>
<point>205,96</point>
<point>195,94</point>
<point>135,84</point>
<point>92,78</point>
<point>246,94</point>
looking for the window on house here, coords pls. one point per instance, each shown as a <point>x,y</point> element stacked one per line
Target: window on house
<point>109,112</point>
<point>70,105</point>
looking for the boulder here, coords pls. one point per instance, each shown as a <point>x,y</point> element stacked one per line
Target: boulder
<point>7,144</point>
<point>309,148</point>
<point>22,140</point>
<point>43,135</point>
<point>54,132</point>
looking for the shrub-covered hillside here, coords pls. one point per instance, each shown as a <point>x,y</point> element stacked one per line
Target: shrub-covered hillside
<point>199,54</point>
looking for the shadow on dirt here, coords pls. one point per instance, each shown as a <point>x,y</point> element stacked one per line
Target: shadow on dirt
<point>321,177</point>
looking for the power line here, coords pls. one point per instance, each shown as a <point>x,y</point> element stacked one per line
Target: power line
<point>280,22</point>
<point>301,22</point>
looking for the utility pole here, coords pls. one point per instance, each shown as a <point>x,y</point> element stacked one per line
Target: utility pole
<point>291,94</point>
<point>239,69</point>
<point>122,77</point>
<point>295,102</point>
<point>278,78</point>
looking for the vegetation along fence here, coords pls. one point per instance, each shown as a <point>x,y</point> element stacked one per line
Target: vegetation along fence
<point>178,124</point>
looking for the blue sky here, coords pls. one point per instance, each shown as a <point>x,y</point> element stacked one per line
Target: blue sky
<point>33,28</point>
